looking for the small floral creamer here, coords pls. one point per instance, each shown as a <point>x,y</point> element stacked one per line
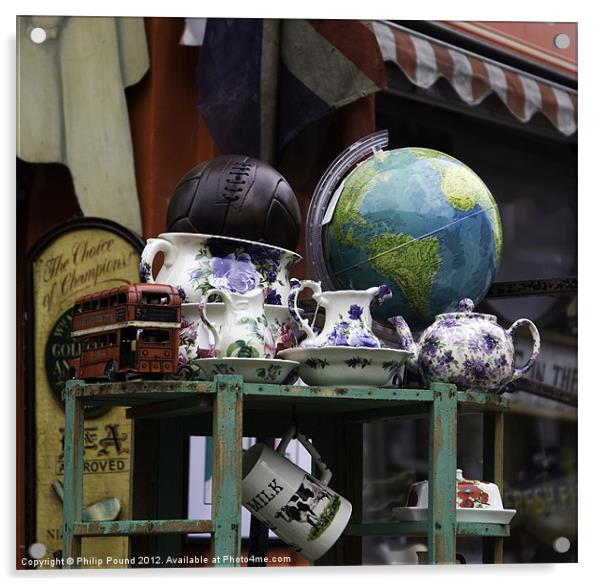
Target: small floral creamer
<point>348,320</point>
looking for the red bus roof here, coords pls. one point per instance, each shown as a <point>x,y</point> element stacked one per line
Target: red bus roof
<point>137,287</point>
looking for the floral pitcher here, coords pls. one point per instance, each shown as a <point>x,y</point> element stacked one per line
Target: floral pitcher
<point>244,332</point>
<point>348,320</point>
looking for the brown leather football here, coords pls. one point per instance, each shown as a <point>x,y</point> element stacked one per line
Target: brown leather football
<point>237,196</point>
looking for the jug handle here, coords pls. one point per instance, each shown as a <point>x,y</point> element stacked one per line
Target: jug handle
<point>518,372</point>
<point>325,474</point>
<point>152,248</point>
<point>203,314</point>
<point>293,309</point>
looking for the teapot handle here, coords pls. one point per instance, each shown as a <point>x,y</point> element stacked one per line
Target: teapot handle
<point>518,372</point>
<point>325,474</point>
<point>152,248</point>
<point>297,287</point>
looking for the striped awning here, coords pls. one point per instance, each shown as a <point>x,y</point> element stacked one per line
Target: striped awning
<point>424,60</point>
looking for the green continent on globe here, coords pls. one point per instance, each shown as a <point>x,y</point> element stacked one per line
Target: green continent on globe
<point>422,153</point>
<point>413,271</point>
<point>347,210</point>
<point>464,189</point>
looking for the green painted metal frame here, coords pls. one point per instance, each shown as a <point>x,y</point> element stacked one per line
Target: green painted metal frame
<point>408,528</point>
<point>225,395</point>
<point>442,475</point>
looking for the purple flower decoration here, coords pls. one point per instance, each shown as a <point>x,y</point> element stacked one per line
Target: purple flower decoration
<point>242,281</point>
<point>273,298</point>
<point>448,322</point>
<point>489,343</point>
<point>430,345</point>
<point>424,363</point>
<point>196,273</point>
<point>222,266</point>
<point>338,335</point>
<point>271,276</point>
<point>475,368</point>
<point>474,344</point>
<point>239,272</point>
<point>363,339</point>
<point>145,271</point>
<point>447,358</point>
<point>181,293</point>
<point>455,336</point>
<point>355,312</point>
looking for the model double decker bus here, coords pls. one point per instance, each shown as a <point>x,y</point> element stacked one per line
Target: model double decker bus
<point>129,329</point>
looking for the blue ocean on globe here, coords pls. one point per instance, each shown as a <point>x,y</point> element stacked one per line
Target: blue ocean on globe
<point>422,223</point>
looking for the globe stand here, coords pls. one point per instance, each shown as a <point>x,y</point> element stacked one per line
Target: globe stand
<point>322,199</point>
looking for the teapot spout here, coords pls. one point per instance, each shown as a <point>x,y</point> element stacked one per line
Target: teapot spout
<point>406,341</point>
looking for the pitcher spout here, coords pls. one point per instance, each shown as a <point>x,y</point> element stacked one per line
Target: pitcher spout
<point>406,341</point>
<point>379,296</point>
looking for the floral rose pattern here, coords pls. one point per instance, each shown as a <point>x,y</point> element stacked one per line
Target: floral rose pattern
<point>471,496</point>
<point>284,334</point>
<point>258,344</point>
<point>241,270</point>
<point>188,350</point>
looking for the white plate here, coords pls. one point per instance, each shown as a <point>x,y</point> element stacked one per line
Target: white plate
<point>500,516</point>
<point>253,370</point>
<point>346,365</point>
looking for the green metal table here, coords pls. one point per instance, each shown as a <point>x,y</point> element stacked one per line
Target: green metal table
<point>331,416</point>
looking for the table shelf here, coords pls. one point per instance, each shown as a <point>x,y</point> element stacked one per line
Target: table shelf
<point>331,415</point>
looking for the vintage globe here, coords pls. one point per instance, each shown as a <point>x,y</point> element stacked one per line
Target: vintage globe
<point>422,223</point>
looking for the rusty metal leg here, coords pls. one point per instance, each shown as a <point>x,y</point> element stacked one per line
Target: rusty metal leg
<point>73,482</point>
<point>493,471</point>
<point>442,475</point>
<point>227,470</point>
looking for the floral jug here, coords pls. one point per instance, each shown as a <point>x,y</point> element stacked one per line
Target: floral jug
<point>244,331</point>
<point>348,320</point>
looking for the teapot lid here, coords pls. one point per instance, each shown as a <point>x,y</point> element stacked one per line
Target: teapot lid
<point>465,309</point>
<point>466,304</point>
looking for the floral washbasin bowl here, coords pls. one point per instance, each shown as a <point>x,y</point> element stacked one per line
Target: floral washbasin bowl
<point>345,366</point>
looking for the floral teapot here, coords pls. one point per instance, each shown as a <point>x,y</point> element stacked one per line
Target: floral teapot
<point>348,320</point>
<point>468,349</point>
<point>244,332</point>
